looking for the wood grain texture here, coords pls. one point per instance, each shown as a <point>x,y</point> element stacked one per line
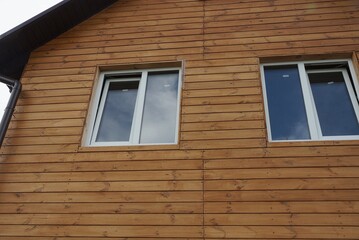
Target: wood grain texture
<point>223,180</point>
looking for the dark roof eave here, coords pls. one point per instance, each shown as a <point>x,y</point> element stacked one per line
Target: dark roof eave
<point>17,44</point>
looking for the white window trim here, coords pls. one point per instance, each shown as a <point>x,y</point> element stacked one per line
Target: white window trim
<point>96,107</point>
<point>312,116</point>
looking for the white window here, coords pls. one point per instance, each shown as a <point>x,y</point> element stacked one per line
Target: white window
<point>135,107</point>
<point>315,100</point>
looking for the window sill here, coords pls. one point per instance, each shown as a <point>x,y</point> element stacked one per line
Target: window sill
<point>129,148</point>
<point>311,143</point>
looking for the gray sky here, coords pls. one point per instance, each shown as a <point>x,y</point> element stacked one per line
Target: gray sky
<point>13,13</point>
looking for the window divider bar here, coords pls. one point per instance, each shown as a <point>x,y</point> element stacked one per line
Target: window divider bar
<point>350,90</point>
<point>179,99</point>
<point>314,127</point>
<point>137,118</point>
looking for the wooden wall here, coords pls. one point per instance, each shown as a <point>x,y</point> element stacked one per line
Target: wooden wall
<point>224,179</point>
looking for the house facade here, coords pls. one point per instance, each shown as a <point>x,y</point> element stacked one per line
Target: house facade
<point>189,119</point>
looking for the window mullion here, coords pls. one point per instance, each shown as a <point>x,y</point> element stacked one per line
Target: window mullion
<point>355,80</point>
<point>179,91</point>
<point>351,93</point>
<point>313,121</point>
<point>137,120</point>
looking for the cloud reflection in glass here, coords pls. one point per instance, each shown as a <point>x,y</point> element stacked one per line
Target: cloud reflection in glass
<point>118,112</point>
<point>160,108</point>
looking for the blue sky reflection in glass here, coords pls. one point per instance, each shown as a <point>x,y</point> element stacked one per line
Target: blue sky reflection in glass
<point>116,120</point>
<point>335,110</point>
<point>288,118</point>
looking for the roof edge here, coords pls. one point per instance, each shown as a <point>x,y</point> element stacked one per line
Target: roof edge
<point>33,19</point>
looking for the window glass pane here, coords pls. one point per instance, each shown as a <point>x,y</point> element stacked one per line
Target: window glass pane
<point>334,107</point>
<point>288,118</point>
<point>160,109</point>
<point>118,112</point>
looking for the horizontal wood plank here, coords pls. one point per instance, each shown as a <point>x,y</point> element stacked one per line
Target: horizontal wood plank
<point>282,219</point>
<point>317,207</point>
<point>104,208</point>
<point>282,232</point>
<point>101,231</point>
<point>102,176</point>
<point>104,219</point>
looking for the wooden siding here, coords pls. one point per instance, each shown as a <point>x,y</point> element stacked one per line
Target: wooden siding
<point>224,179</point>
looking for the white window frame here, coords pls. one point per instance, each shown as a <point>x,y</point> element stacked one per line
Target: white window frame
<point>312,116</point>
<point>98,103</point>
